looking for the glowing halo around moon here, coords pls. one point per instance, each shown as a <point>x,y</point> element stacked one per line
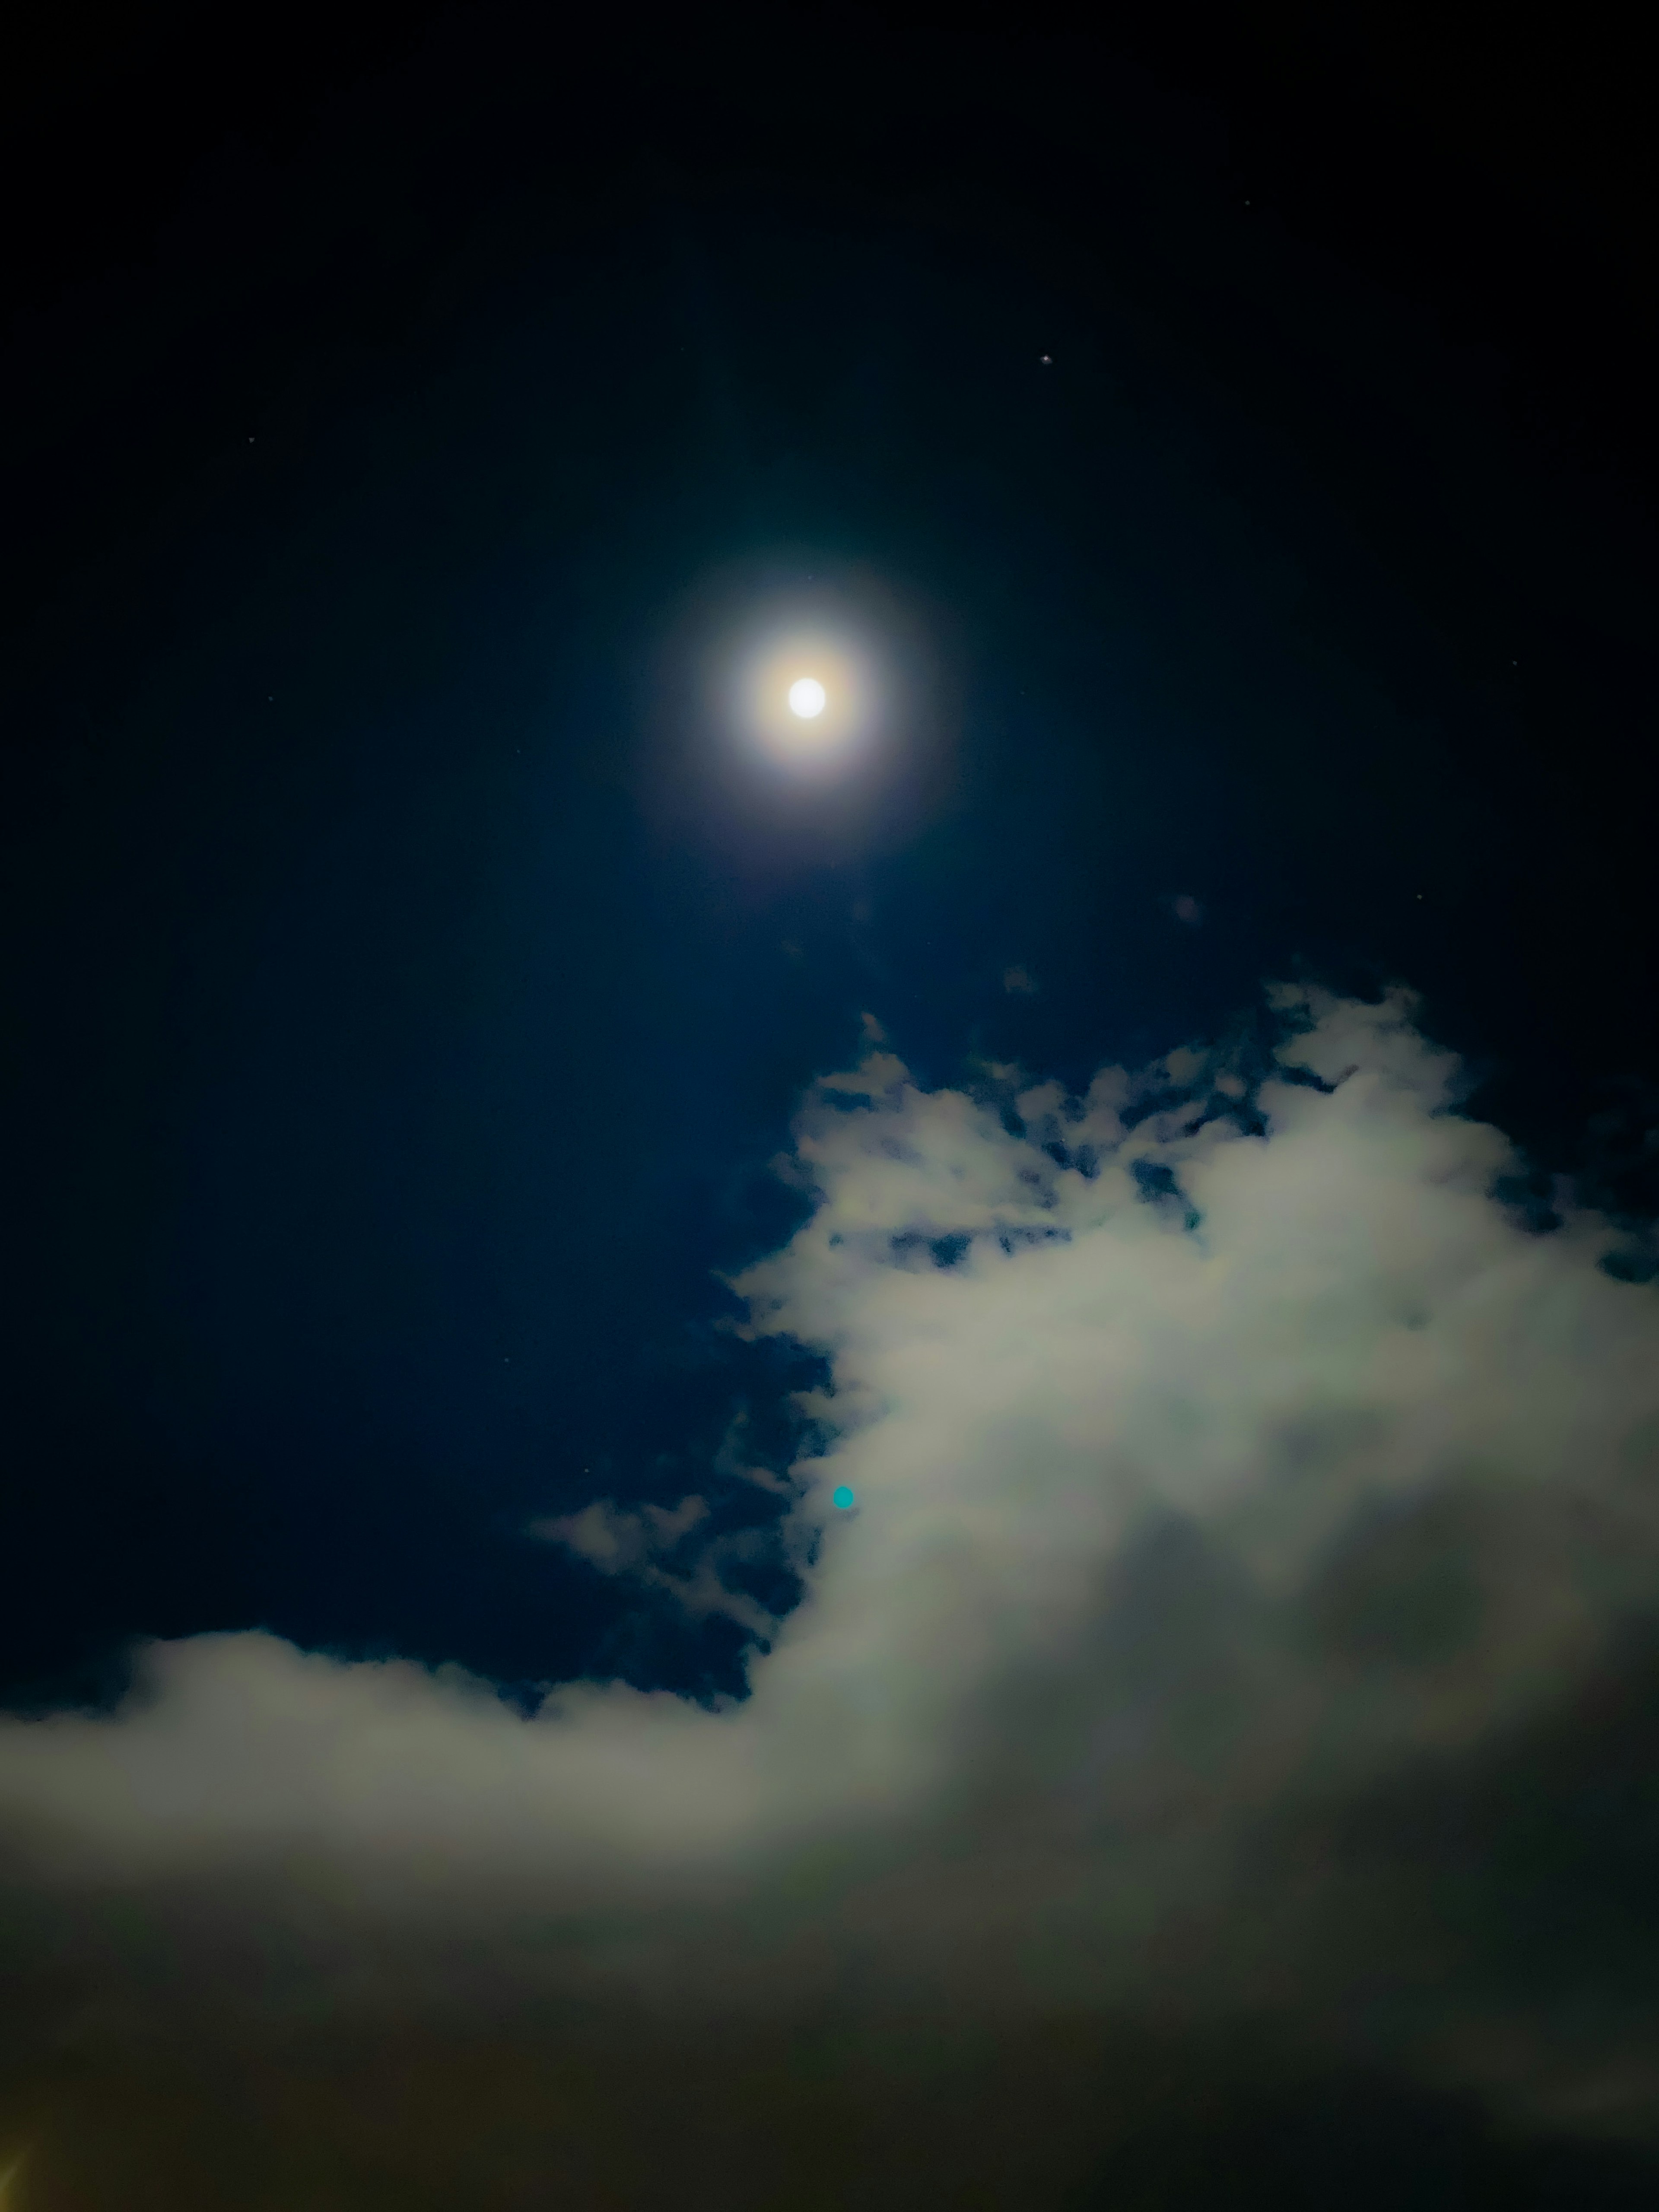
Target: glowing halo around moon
<point>806,699</point>
<point>809,702</point>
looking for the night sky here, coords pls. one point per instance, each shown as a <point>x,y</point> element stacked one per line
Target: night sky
<point>488,1148</point>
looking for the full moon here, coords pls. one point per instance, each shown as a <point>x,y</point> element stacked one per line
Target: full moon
<point>804,695</point>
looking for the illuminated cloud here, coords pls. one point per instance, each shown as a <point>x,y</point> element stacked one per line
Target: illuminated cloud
<point>1217,1465</point>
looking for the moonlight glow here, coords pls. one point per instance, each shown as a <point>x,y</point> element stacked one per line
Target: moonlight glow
<point>805,697</point>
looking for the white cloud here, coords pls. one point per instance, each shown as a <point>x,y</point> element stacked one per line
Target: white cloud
<point>634,1544</point>
<point>617,1542</point>
<point>1174,1531</point>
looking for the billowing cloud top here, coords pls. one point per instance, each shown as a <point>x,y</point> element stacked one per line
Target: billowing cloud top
<point>1223,1450</point>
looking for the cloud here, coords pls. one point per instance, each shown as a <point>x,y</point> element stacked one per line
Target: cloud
<point>617,1542</point>
<point>638,1544</point>
<point>1239,1478</point>
<point>1019,983</point>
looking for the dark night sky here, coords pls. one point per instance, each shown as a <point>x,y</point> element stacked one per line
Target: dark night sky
<point>1243,420</point>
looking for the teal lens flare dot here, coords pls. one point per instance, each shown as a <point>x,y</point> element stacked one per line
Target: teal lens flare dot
<point>843,1496</point>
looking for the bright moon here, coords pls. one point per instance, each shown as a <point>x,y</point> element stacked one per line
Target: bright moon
<point>814,726</point>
